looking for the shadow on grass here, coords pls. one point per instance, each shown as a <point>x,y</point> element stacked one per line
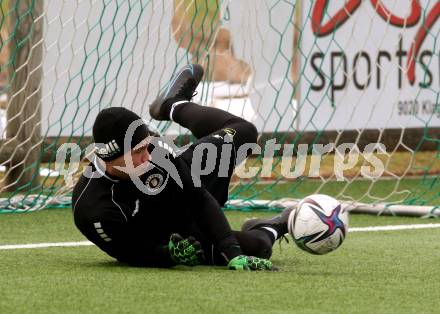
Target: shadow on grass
<point>115,265</point>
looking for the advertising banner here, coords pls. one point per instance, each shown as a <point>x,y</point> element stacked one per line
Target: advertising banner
<point>370,64</point>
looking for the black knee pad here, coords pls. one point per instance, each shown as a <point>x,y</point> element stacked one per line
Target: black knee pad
<point>264,249</point>
<point>250,133</point>
<point>244,131</point>
<point>255,243</point>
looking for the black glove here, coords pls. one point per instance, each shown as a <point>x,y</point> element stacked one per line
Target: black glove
<point>185,251</point>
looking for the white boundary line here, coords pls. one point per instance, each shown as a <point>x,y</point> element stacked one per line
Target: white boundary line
<point>395,228</point>
<point>88,243</point>
<point>44,245</point>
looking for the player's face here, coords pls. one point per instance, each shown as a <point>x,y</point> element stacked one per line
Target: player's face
<point>133,163</point>
<point>140,156</point>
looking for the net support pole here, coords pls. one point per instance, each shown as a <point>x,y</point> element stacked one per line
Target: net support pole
<point>23,118</point>
<point>296,61</point>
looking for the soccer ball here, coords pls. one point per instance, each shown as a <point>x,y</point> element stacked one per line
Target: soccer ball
<point>319,224</point>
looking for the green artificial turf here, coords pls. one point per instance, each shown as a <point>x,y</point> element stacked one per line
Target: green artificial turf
<point>373,272</point>
<point>410,191</point>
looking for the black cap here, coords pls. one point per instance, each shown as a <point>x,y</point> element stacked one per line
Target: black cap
<point>109,131</point>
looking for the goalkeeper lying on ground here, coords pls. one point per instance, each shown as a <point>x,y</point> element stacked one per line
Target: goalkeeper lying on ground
<point>170,219</point>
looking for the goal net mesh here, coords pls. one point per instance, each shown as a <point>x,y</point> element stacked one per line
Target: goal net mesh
<point>342,87</point>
